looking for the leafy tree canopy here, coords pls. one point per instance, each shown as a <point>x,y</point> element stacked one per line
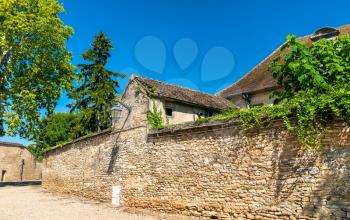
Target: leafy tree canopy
<point>56,129</point>
<point>34,63</point>
<point>315,82</point>
<point>97,86</point>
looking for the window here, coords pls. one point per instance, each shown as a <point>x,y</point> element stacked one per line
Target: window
<point>3,175</point>
<point>168,112</point>
<point>208,114</point>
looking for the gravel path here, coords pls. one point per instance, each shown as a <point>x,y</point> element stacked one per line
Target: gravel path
<point>33,203</point>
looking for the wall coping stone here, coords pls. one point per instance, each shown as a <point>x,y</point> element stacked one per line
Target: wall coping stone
<point>184,129</point>
<point>90,136</point>
<point>78,140</point>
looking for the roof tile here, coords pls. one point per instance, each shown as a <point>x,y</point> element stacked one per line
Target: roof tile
<point>185,95</point>
<point>259,78</point>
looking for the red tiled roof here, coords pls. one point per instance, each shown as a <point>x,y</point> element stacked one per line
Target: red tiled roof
<point>259,78</point>
<point>171,92</point>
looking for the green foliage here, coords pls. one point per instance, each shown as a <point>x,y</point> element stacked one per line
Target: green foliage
<point>259,116</point>
<point>152,89</point>
<point>155,117</point>
<point>137,90</point>
<point>56,129</point>
<point>315,83</point>
<point>97,86</point>
<point>34,64</point>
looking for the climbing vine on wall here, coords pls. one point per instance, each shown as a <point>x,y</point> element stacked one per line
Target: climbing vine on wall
<point>315,82</point>
<point>155,117</point>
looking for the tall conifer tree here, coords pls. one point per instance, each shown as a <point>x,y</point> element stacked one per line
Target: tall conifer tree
<point>97,86</point>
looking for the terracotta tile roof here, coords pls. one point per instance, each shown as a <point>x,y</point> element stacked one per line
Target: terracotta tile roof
<point>259,78</point>
<point>177,93</point>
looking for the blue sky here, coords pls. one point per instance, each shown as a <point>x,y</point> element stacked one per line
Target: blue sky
<point>202,44</point>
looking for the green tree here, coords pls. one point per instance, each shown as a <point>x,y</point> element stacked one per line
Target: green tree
<point>56,129</point>
<point>34,63</point>
<point>315,89</point>
<point>316,84</point>
<point>97,86</point>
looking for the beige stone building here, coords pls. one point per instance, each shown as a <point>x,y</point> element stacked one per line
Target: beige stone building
<point>177,104</point>
<point>17,163</point>
<point>256,87</point>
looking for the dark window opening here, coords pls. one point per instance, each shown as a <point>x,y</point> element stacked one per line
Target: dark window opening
<point>3,175</point>
<point>325,32</point>
<point>168,112</point>
<point>208,114</point>
<point>247,98</point>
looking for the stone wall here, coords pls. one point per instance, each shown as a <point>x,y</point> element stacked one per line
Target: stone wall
<point>92,165</point>
<point>17,164</point>
<point>261,174</point>
<point>216,170</point>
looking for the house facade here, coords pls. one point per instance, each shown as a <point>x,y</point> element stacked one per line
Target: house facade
<point>176,104</point>
<point>17,163</point>
<point>256,87</point>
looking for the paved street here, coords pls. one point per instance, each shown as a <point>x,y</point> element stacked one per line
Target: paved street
<point>33,203</point>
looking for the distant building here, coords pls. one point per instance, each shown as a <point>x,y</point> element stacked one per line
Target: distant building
<point>17,163</point>
<point>255,87</point>
<point>177,104</point>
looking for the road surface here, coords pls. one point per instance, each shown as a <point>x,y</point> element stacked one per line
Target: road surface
<point>34,203</point>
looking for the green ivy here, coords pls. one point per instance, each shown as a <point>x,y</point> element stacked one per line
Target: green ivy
<point>315,82</point>
<point>155,117</point>
<point>152,89</point>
